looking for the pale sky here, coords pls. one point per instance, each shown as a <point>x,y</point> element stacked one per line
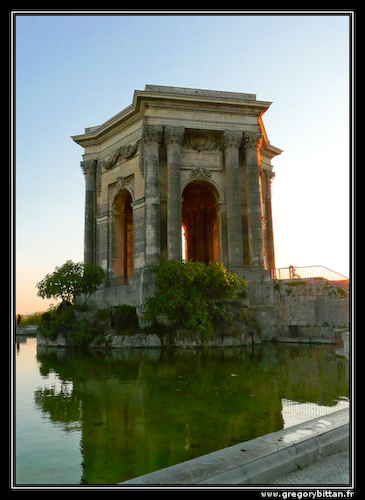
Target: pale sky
<point>76,71</point>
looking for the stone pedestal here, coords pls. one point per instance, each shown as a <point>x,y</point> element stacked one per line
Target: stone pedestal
<point>260,289</point>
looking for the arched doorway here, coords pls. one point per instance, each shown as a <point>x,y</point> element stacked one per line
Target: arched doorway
<point>123,236</point>
<point>200,222</point>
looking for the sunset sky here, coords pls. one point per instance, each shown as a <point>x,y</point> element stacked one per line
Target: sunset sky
<point>76,71</point>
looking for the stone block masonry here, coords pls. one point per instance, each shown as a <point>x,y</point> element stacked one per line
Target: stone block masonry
<point>310,302</point>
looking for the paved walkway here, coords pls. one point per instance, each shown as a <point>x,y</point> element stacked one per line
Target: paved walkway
<point>333,469</point>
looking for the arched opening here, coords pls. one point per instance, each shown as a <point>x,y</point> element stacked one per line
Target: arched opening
<point>123,236</point>
<point>199,216</point>
<point>184,243</point>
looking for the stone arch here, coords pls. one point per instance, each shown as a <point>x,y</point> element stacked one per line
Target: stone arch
<point>122,235</point>
<point>219,193</point>
<point>122,184</point>
<point>200,220</point>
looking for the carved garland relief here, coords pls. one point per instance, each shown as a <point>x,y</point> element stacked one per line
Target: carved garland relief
<point>123,153</point>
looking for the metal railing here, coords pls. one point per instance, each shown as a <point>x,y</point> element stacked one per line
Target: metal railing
<point>295,272</point>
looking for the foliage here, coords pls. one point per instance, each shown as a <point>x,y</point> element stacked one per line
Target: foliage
<point>187,294</point>
<point>32,319</point>
<point>92,278</point>
<point>60,321</point>
<point>46,317</point>
<point>71,280</point>
<point>81,329</point>
<point>124,317</point>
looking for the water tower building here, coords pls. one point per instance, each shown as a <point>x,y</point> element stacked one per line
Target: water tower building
<point>180,173</point>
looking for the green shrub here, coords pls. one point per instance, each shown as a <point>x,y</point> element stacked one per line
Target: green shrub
<point>61,320</point>
<point>46,317</point>
<point>103,314</point>
<point>187,294</point>
<point>124,317</point>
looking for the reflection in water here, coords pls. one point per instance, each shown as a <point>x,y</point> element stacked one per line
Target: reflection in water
<point>141,410</point>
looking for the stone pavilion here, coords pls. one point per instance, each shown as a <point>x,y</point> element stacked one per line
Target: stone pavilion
<point>180,173</point>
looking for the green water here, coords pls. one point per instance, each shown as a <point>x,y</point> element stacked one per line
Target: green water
<point>104,417</point>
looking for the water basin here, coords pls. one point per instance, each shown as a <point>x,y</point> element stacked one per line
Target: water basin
<point>102,417</point>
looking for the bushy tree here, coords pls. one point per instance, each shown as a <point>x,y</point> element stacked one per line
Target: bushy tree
<point>71,280</point>
<point>92,278</point>
<point>187,293</point>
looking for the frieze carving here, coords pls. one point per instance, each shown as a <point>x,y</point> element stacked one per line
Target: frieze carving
<point>200,174</point>
<point>232,139</point>
<point>201,142</point>
<point>123,153</point>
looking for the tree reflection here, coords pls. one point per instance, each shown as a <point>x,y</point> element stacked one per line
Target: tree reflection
<point>62,406</point>
<point>141,410</point>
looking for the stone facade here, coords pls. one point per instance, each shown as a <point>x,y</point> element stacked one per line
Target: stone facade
<point>179,173</point>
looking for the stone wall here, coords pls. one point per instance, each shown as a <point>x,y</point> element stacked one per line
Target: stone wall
<point>310,302</point>
<point>183,339</point>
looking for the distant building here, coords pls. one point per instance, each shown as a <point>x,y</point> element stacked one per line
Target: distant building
<point>179,172</point>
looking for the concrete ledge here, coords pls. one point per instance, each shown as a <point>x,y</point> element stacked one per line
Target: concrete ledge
<point>26,329</point>
<point>260,460</point>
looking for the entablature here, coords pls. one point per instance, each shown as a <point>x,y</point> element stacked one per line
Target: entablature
<point>208,109</point>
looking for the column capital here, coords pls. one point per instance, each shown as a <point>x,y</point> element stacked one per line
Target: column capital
<point>88,167</point>
<point>252,140</point>
<point>174,135</point>
<point>232,139</point>
<point>152,134</point>
<point>270,176</point>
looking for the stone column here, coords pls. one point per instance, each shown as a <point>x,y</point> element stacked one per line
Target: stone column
<point>89,169</point>
<point>252,145</point>
<point>269,175</point>
<point>231,142</point>
<point>173,139</point>
<point>152,135</point>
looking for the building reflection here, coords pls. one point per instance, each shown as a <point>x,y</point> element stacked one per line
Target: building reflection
<point>141,410</point>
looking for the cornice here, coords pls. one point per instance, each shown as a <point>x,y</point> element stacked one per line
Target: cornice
<point>145,99</point>
<point>269,150</point>
<point>266,147</point>
<point>248,108</point>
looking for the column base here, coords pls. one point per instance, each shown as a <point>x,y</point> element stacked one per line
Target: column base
<point>241,271</point>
